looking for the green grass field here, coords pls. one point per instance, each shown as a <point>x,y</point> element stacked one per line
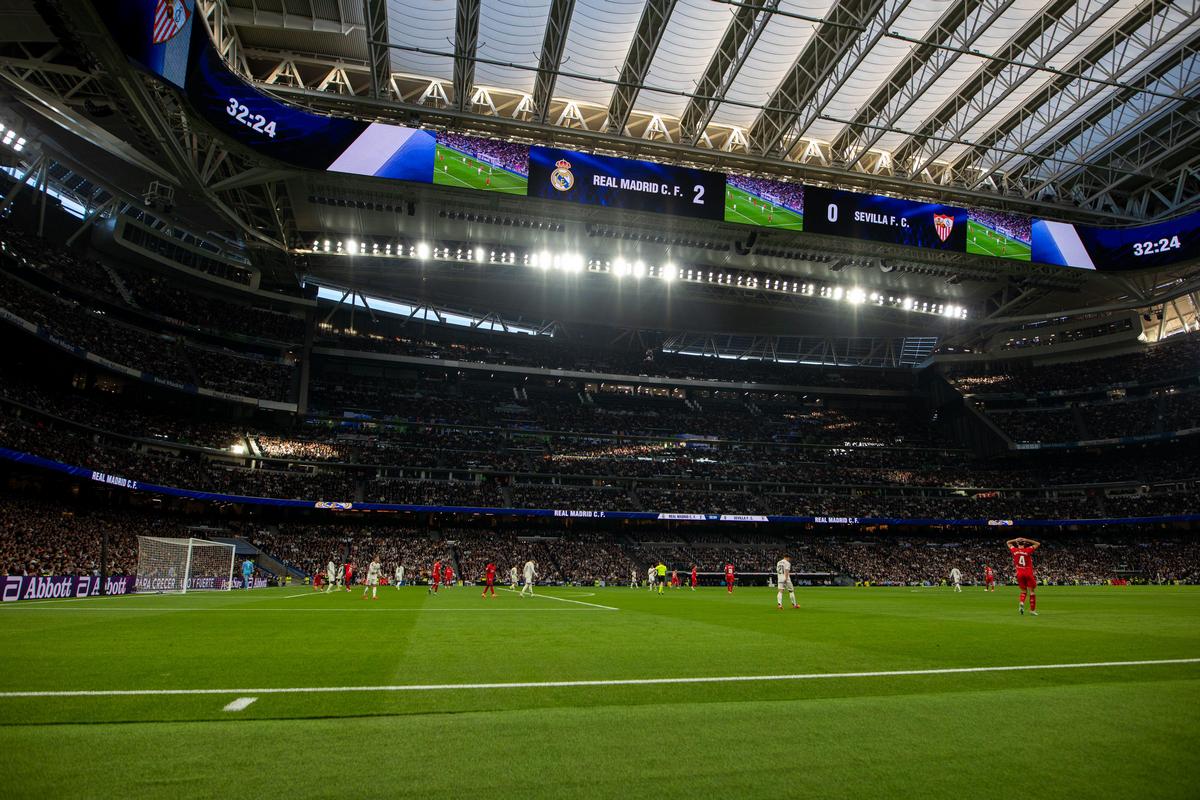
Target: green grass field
<point>744,208</point>
<point>452,168</point>
<point>430,725</point>
<point>983,241</point>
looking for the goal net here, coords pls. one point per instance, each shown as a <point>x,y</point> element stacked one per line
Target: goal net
<point>181,565</point>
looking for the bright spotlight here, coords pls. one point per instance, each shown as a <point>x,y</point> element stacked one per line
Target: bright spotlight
<point>326,245</point>
<point>237,449</point>
<point>422,250</point>
<point>480,256</point>
<point>838,292</point>
<point>621,268</point>
<point>856,296</point>
<point>544,260</point>
<point>908,304</point>
<point>639,269</point>
<point>351,245</point>
<point>669,272</point>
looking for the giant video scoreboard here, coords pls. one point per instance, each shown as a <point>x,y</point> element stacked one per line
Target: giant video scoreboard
<point>165,37</point>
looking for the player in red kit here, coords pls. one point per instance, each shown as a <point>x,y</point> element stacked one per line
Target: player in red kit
<point>490,577</point>
<point>435,578</point>
<point>1022,554</point>
<point>729,578</point>
<point>989,578</point>
<point>448,576</point>
<point>349,574</point>
<point>674,579</point>
<point>693,577</point>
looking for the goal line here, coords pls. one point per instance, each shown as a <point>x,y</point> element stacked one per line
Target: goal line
<point>437,687</point>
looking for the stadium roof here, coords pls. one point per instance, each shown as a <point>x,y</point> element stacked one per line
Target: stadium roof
<point>1072,104</point>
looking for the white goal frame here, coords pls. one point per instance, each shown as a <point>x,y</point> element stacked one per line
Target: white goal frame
<point>150,580</point>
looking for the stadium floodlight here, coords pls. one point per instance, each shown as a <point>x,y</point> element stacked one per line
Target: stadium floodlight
<point>479,255</point>
<point>621,268</point>
<point>950,311</point>
<point>908,304</point>
<point>544,260</point>
<point>326,245</point>
<point>669,272</point>
<point>351,245</point>
<point>237,449</point>
<point>856,296</point>
<point>20,145</point>
<point>9,135</point>
<point>639,269</point>
<point>423,250</point>
<point>838,293</point>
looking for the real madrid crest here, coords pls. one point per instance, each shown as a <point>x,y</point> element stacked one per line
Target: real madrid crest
<point>562,179</point>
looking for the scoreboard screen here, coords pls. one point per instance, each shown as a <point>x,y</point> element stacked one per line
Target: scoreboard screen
<point>1112,249</point>
<point>155,33</point>
<point>622,183</point>
<point>890,220</point>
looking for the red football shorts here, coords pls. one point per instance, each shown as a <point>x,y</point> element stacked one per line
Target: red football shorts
<point>1026,580</point>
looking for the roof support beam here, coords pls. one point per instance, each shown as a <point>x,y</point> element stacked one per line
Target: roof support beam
<point>1118,52</point>
<point>378,55</point>
<point>1040,40</point>
<point>1112,122</point>
<point>959,27</point>
<point>466,40</point>
<point>814,66</point>
<point>650,29</point>
<point>558,22</point>
<point>736,43</point>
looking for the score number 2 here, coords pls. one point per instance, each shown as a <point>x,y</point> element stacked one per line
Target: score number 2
<point>698,197</point>
<point>255,122</point>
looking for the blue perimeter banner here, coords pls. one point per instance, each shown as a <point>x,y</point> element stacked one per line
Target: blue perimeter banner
<point>1111,249</point>
<point>890,220</point>
<point>622,183</point>
<point>119,482</point>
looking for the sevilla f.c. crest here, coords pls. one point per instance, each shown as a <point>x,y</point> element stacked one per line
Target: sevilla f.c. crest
<point>169,17</point>
<point>943,224</point>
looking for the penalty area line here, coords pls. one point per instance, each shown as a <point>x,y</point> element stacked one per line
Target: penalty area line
<point>564,599</point>
<point>436,687</point>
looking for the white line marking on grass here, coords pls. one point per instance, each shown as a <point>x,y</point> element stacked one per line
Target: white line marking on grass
<point>568,600</point>
<point>241,704</point>
<point>434,687</point>
<point>364,610</point>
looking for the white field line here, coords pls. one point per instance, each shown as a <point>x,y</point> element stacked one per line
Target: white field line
<point>363,610</point>
<point>241,704</point>
<point>435,687</point>
<point>567,600</point>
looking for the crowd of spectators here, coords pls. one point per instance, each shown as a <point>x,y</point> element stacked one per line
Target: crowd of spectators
<point>166,357</point>
<point>122,285</point>
<point>1173,359</point>
<point>1102,419</point>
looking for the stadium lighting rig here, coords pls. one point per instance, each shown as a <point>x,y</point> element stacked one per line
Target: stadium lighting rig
<point>574,263</point>
<point>12,138</point>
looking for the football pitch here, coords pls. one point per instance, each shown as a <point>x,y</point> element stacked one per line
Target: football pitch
<point>747,209</point>
<point>983,241</point>
<point>452,168</point>
<point>603,693</point>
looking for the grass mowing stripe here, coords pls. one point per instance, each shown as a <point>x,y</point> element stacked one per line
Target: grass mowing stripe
<point>433,687</point>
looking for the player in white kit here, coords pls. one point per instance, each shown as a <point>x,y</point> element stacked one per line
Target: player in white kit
<point>399,575</point>
<point>530,573</point>
<point>783,582</point>
<point>956,579</point>
<point>330,576</point>
<point>633,579</point>
<point>374,570</point>
<point>512,577</point>
<point>651,575</point>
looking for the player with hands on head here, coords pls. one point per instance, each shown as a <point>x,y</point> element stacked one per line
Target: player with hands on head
<point>1022,554</point>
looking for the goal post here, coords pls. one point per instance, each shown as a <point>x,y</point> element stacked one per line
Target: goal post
<point>180,565</point>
